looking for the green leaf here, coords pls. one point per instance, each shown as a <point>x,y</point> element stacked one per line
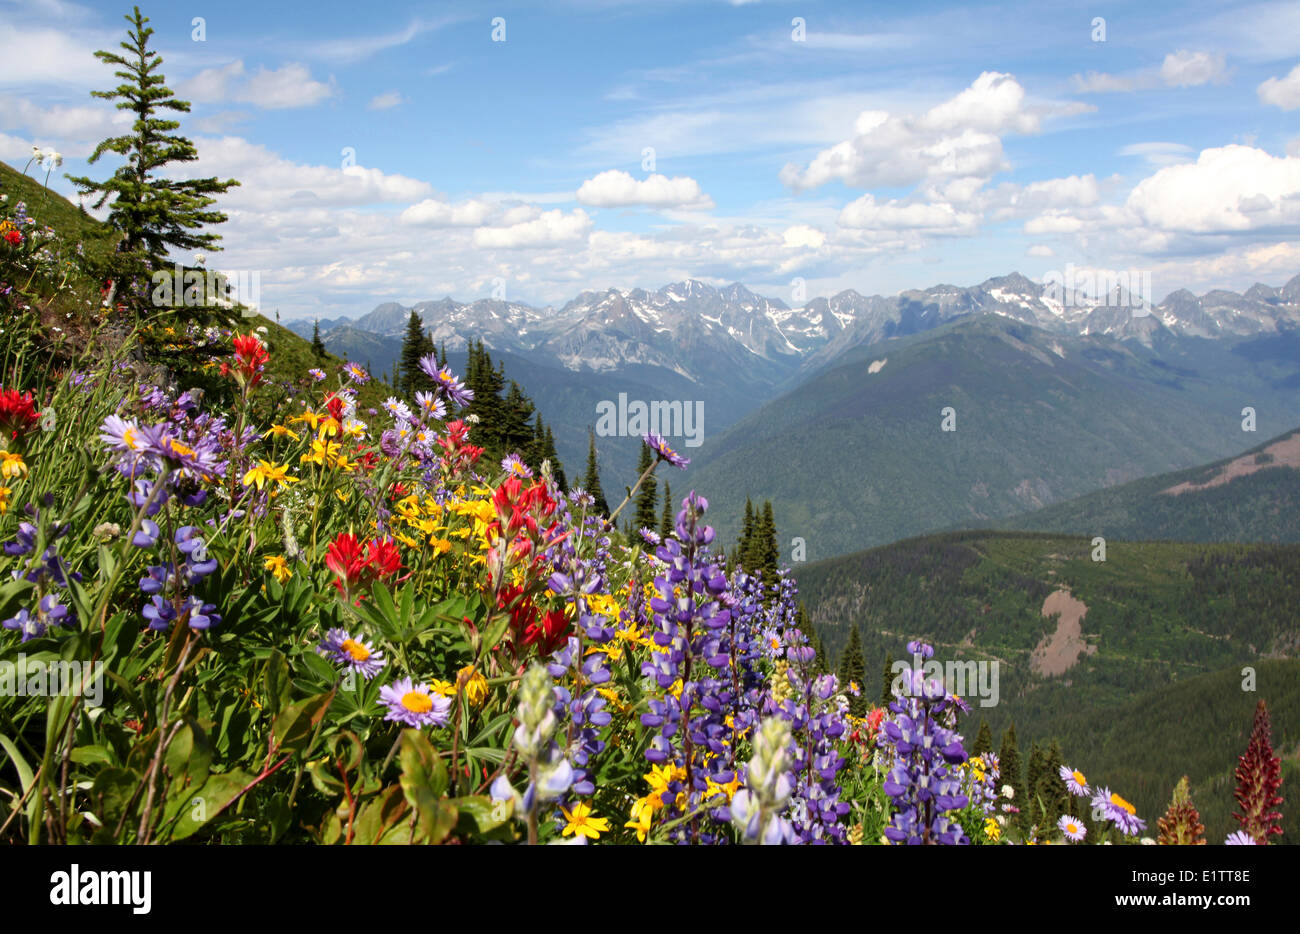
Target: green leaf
<point>422,767</point>
<point>193,808</point>
<point>276,681</point>
<point>480,814</point>
<point>293,728</point>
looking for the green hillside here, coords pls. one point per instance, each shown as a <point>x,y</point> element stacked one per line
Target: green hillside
<point>1162,621</point>
<point>291,355</point>
<point>1260,506</point>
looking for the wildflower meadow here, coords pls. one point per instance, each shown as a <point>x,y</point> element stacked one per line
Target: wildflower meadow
<point>254,594</point>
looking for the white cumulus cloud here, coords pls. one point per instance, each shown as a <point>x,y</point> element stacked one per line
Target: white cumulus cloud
<point>549,227</point>
<point>1282,92</point>
<point>615,188</point>
<point>271,89</point>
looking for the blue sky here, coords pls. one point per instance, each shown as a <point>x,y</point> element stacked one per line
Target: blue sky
<point>877,146</point>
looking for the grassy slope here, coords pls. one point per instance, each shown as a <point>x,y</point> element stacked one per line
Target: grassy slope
<point>291,355</point>
<point>1261,507</point>
<point>1170,621</point>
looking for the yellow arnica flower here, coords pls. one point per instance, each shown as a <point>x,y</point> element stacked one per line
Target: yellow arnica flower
<point>445,688</point>
<point>473,683</point>
<point>12,466</point>
<point>268,472</point>
<point>278,567</point>
<point>642,813</point>
<point>992,830</point>
<point>279,431</point>
<point>321,453</point>
<point>5,493</point>
<point>582,823</point>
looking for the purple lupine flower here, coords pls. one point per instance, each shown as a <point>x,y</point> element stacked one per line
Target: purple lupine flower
<point>921,783</point>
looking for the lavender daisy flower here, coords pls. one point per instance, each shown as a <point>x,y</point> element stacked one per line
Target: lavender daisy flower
<point>1075,781</point>
<point>1115,809</point>
<point>430,405</point>
<point>316,373</point>
<point>446,382</point>
<point>1239,838</point>
<point>357,654</point>
<point>664,452</point>
<point>1072,828</point>
<point>398,409</point>
<point>357,373</point>
<point>414,706</point>
<point>515,466</point>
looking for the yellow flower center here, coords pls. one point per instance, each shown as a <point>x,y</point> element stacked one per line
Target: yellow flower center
<point>1078,777</point>
<point>359,653</point>
<point>1071,828</point>
<point>1121,803</point>
<point>417,702</point>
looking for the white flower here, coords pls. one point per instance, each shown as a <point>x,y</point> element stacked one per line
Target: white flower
<point>1147,841</point>
<point>200,258</point>
<point>1008,792</point>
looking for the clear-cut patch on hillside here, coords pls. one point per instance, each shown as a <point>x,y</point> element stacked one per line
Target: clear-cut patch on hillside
<point>877,365</point>
<point>1284,453</point>
<point>1059,652</point>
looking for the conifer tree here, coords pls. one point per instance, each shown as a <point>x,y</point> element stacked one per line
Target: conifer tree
<point>412,344</point>
<point>1010,765</point>
<point>766,554</point>
<point>317,345</point>
<point>983,740</point>
<point>1051,790</point>
<point>591,480</point>
<point>887,681</point>
<point>853,670</point>
<point>1031,809</point>
<point>746,541</point>
<point>666,520</point>
<point>152,213</point>
<point>647,496</point>
<point>549,453</point>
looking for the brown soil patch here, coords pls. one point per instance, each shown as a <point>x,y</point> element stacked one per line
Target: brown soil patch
<point>1060,651</point>
<point>1286,453</point>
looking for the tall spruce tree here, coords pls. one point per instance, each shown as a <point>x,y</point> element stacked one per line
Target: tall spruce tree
<point>746,542</point>
<point>1031,809</point>
<point>317,345</point>
<point>153,213</point>
<point>591,479</point>
<point>887,681</point>
<point>853,670</point>
<point>983,740</point>
<point>766,554</point>
<point>647,496</point>
<point>666,520</point>
<point>410,373</point>
<point>1051,790</point>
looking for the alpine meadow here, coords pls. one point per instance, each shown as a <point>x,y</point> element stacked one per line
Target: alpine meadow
<point>554,425</point>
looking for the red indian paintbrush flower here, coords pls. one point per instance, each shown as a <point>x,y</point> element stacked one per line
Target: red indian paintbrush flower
<point>18,413</point>
<point>250,359</point>
<point>1259,777</point>
<point>357,568</point>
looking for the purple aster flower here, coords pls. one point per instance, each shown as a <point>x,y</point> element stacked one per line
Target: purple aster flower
<point>515,467</point>
<point>430,405</point>
<point>1072,828</point>
<point>664,452</point>
<point>414,706</point>
<point>1240,838</point>
<point>398,409</point>
<point>355,653</point>
<point>1075,781</point>
<point>316,374</point>
<point>445,381</point>
<point>357,373</point>
<point>1112,807</point>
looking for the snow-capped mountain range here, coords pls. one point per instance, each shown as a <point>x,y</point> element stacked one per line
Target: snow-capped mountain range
<point>693,328</point>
